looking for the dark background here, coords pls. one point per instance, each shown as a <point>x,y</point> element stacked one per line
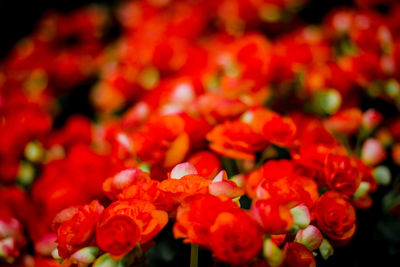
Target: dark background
<point>377,240</point>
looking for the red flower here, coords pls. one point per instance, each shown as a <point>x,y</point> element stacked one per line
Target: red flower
<point>75,227</point>
<point>290,190</point>
<point>341,175</point>
<point>235,140</point>
<point>235,237</point>
<point>162,140</point>
<point>177,190</point>
<point>272,216</point>
<point>279,130</point>
<point>126,223</point>
<point>216,108</point>
<point>271,170</point>
<point>116,184</point>
<point>196,216</point>
<point>297,255</point>
<point>336,217</point>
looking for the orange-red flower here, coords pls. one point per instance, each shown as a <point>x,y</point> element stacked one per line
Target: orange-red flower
<point>272,216</point>
<point>196,216</point>
<point>276,129</point>
<point>336,217</point>
<point>236,140</point>
<point>126,223</point>
<point>280,130</point>
<point>75,227</point>
<point>114,185</point>
<point>297,255</point>
<point>341,175</point>
<point>162,140</point>
<point>235,237</point>
<point>176,190</point>
<point>290,190</point>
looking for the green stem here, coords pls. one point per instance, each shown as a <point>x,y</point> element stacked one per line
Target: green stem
<point>194,255</point>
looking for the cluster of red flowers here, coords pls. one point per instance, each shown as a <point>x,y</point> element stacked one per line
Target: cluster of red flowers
<point>198,114</point>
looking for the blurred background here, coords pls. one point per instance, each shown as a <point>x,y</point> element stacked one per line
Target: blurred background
<point>377,241</point>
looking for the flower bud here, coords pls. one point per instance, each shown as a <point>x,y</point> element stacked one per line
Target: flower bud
<point>8,249</point>
<point>325,249</point>
<point>85,255</point>
<point>272,253</point>
<point>382,175</point>
<point>46,244</point>
<point>372,152</point>
<point>310,237</point>
<point>55,255</point>
<point>11,227</point>
<point>362,190</point>
<point>106,261</point>
<point>326,101</point>
<point>26,173</point>
<point>392,88</point>
<point>301,216</point>
<point>182,169</point>
<point>34,151</point>
<point>144,167</point>
<point>371,118</point>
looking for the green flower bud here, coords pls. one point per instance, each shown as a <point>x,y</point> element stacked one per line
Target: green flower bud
<point>34,151</point>
<point>85,255</point>
<point>301,216</point>
<point>26,173</point>
<point>325,249</point>
<point>382,175</point>
<point>55,255</point>
<point>326,101</point>
<point>310,237</point>
<point>272,253</point>
<point>362,190</point>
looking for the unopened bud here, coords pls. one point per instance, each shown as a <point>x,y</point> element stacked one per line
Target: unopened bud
<point>272,253</point>
<point>26,173</point>
<point>392,88</point>
<point>105,261</point>
<point>144,167</point>
<point>85,255</point>
<point>326,101</point>
<point>371,118</point>
<point>55,255</point>
<point>382,175</point>
<point>34,151</point>
<point>10,227</point>
<point>301,216</point>
<point>310,237</point>
<point>372,152</point>
<point>8,248</point>
<point>362,190</point>
<point>325,249</point>
<point>46,244</point>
